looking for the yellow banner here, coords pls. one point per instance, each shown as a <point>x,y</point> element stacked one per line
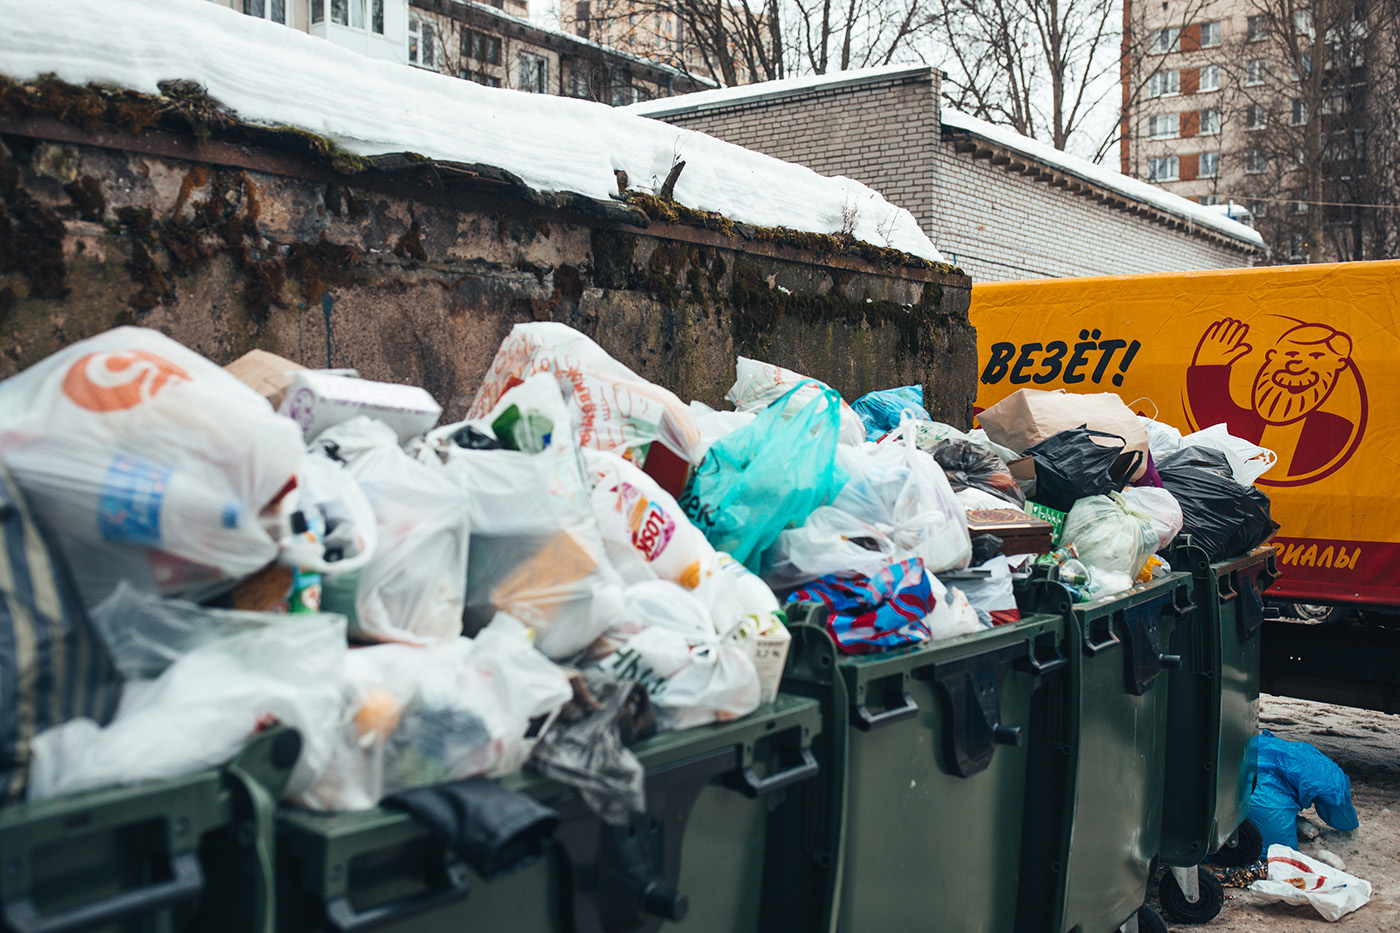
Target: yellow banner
<point>1303,360</point>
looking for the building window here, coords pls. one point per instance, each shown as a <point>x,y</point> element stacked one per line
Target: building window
<point>1258,208</point>
<point>479,77</point>
<point>1304,66</point>
<point>1164,84</point>
<point>1161,41</point>
<point>1210,122</point>
<point>1300,207</point>
<point>1255,117</point>
<point>534,73</point>
<point>1254,72</point>
<point>1254,162</point>
<point>1210,35</point>
<point>1303,22</point>
<point>1300,112</point>
<point>1298,248</point>
<point>1210,78</point>
<point>1206,200</point>
<point>1209,166</point>
<point>479,47</point>
<point>1256,28</point>
<point>275,10</point>
<point>1164,126</point>
<point>422,44</point>
<point>1162,168</point>
<point>348,13</point>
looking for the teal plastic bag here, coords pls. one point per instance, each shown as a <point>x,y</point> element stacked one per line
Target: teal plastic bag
<point>767,476</point>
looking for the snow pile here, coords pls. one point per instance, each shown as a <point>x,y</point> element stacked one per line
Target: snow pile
<point>275,76</point>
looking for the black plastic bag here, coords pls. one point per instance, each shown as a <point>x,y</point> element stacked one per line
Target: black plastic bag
<point>1205,458</point>
<point>1220,515</point>
<point>968,464</point>
<point>1071,465</point>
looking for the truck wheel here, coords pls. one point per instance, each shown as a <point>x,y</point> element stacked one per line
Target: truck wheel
<point>1207,906</point>
<point>1316,613</point>
<point>1243,848</point>
<point>1149,921</point>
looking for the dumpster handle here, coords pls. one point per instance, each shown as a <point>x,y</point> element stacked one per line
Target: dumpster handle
<point>864,720</point>
<point>186,883</point>
<point>346,919</point>
<point>755,786</point>
<point>1093,648</point>
<point>1228,593</point>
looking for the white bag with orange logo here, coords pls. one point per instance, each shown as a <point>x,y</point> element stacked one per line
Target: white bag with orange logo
<point>147,462</point>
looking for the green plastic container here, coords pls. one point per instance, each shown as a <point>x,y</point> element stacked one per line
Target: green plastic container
<point>194,853</point>
<point>1117,720</point>
<point>697,858</point>
<point>1214,707</point>
<point>937,755</point>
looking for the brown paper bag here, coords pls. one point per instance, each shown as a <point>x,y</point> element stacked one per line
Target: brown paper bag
<point>1028,416</point>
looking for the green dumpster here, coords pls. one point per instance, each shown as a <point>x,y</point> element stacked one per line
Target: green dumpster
<point>1214,706</point>
<point>194,853</point>
<point>935,756</point>
<point>1117,719</point>
<point>696,858</point>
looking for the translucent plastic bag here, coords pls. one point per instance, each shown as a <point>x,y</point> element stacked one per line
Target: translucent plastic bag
<point>1110,535</point>
<point>1248,461</point>
<point>1294,878</point>
<point>968,464</point>
<point>1161,506</point>
<point>882,411</point>
<point>413,588</point>
<point>926,518</point>
<point>202,709</point>
<point>758,480</point>
<point>147,462</point>
<point>1163,440</point>
<point>338,533</point>
<point>758,385</point>
<point>830,541</point>
<point>993,596</point>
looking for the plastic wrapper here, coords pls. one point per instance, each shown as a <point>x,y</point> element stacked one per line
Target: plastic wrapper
<point>1294,776</point>
<point>1110,535</point>
<point>758,385</point>
<point>413,588</point>
<point>413,716</point>
<point>758,480</point>
<point>882,411</point>
<point>1073,465</point>
<point>205,706</point>
<point>147,462</point>
<point>1159,505</point>
<point>968,465</point>
<point>1221,516</point>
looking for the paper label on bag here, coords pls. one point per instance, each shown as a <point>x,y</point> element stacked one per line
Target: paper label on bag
<point>651,527</point>
<point>129,503</point>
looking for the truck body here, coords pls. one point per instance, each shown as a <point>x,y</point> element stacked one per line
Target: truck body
<point>1302,360</point>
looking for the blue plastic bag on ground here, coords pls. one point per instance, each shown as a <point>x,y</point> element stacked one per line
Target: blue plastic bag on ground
<point>1292,777</point>
<point>881,411</point>
<point>767,476</point>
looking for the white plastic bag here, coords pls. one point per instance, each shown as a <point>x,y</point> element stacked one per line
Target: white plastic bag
<point>344,534</point>
<point>413,588</point>
<point>1295,878</point>
<point>1110,535</point>
<point>993,596</point>
<point>952,615</point>
<point>1248,461</point>
<point>926,517</point>
<point>205,707</point>
<point>148,462</point>
<point>713,425</point>
<point>833,541</point>
<point>1162,439</point>
<point>1161,506</point>
<point>758,385</point>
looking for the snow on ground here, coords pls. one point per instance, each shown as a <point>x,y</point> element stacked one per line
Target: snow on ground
<point>276,76</point>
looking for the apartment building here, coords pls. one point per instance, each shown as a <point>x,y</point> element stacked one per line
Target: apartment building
<point>653,30</point>
<point>493,43</point>
<point>1223,105</point>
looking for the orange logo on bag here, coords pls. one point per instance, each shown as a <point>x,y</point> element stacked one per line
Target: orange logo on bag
<point>114,380</point>
<point>1306,399</point>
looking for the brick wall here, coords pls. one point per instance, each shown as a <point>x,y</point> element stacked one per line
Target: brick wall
<point>995,224</point>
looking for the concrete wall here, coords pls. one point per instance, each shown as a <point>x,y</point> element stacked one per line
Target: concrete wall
<point>407,280</point>
<point>994,224</point>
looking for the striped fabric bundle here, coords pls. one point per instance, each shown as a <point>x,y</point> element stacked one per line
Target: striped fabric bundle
<point>874,613</point>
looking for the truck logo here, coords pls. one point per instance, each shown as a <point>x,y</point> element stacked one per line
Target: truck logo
<point>1306,400</point>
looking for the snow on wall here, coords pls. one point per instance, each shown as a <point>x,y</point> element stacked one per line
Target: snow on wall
<point>275,76</point>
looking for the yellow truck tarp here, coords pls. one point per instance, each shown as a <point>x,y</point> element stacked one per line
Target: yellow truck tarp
<point>1303,360</point>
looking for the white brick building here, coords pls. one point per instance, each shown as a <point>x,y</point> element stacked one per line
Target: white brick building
<point>997,204</point>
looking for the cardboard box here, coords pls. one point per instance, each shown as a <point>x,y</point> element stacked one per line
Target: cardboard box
<point>317,400</point>
<point>265,373</point>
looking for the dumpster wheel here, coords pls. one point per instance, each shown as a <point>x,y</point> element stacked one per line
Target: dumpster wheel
<point>1149,921</point>
<point>1207,906</point>
<point>1245,847</point>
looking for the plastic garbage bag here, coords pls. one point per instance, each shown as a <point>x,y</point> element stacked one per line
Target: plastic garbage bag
<point>992,596</point>
<point>1163,440</point>
<point>1292,777</point>
<point>1295,878</point>
<point>980,438</point>
<point>413,588</point>
<point>1210,459</point>
<point>1159,505</point>
<point>758,480</point>
<point>612,408</point>
<point>967,464</point>
<point>746,613</point>
<point>1221,516</point>
<point>882,411</point>
<point>758,385</point>
<point>202,709</point>
<point>1247,461</point>
<point>1110,535</point>
<point>1078,463</point>
<point>713,425</point>
<point>414,716</point>
<point>830,541</point>
<point>326,524</point>
<point>952,616</point>
<point>146,462</point>
<point>927,519</point>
